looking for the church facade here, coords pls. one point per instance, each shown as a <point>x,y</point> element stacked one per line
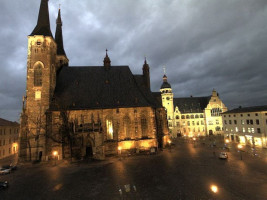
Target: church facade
<point>192,116</point>
<point>84,111</point>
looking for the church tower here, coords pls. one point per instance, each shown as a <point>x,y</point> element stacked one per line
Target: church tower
<point>167,101</point>
<point>146,74</point>
<point>41,80</point>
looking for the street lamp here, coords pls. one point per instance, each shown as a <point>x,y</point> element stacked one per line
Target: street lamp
<point>214,188</point>
<point>194,141</point>
<point>239,146</point>
<point>119,151</point>
<point>169,141</point>
<point>55,154</point>
<point>226,144</point>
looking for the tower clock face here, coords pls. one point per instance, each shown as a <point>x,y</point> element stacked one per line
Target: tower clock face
<point>168,98</point>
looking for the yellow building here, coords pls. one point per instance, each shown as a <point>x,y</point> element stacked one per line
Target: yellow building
<point>192,116</point>
<point>9,133</point>
<point>247,125</point>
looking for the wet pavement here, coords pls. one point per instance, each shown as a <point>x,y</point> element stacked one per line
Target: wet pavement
<point>186,171</point>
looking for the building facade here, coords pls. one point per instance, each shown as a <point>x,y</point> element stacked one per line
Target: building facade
<point>84,111</point>
<point>9,133</point>
<point>247,125</point>
<point>192,116</point>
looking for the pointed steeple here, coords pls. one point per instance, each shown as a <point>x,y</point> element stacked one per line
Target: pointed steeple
<point>146,74</point>
<point>107,61</point>
<point>43,23</point>
<point>58,36</point>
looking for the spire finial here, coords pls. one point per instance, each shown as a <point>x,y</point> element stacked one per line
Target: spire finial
<point>59,6</point>
<point>164,69</point>
<point>106,52</point>
<point>145,60</point>
<point>107,60</point>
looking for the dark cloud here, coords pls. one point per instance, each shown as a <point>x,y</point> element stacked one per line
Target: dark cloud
<point>203,44</point>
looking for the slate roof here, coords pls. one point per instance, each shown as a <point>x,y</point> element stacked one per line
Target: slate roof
<point>165,85</point>
<point>4,122</point>
<point>247,109</point>
<point>191,104</point>
<point>97,88</point>
<point>43,23</point>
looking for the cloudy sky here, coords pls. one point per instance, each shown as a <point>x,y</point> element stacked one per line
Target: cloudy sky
<point>203,44</point>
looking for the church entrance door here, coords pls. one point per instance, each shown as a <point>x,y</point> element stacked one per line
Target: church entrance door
<point>89,151</point>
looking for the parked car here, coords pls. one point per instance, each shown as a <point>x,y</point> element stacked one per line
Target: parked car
<point>3,185</point>
<point>223,155</point>
<point>5,171</point>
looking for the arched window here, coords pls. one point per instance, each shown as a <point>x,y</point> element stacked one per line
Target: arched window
<point>109,126</point>
<point>182,116</point>
<point>126,126</point>
<point>177,116</point>
<point>192,116</point>
<point>144,126</point>
<point>38,75</point>
<point>187,116</point>
<point>196,116</point>
<point>201,116</point>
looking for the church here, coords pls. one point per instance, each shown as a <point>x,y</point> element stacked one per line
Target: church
<point>192,116</point>
<point>89,111</point>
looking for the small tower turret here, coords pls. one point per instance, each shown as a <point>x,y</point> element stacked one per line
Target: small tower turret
<point>107,61</point>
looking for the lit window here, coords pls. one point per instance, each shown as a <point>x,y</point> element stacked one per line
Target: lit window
<point>126,126</point>
<point>109,129</point>
<point>38,95</point>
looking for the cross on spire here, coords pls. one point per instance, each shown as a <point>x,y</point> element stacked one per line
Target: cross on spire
<point>164,69</point>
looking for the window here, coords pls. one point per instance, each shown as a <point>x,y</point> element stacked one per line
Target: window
<point>256,114</point>
<point>197,122</point>
<point>210,122</point>
<point>244,130</point>
<point>38,75</point>
<point>202,122</point>
<point>188,123</point>
<point>182,116</point>
<point>177,116</point>
<point>193,123</point>
<point>248,115</point>
<point>234,115</point>
<point>109,129</point>
<point>229,115</point>
<point>187,116</point>
<point>192,116</point>
<point>126,126</point>
<point>177,123</point>
<point>249,130</point>
<point>247,121</point>
<point>257,121</point>
<point>258,130</point>
<point>215,111</point>
<point>252,130</point>
<point>217,128</point>
<point>230,121</point>
<point>251,121</point>
<point>201,116</point>
<point>217,121</point>
<point>235,122</point>
<point>242,121</point>
<point>236,129</point>
<point>225,122</point>
<point>144,126</point>
<point>241,115</point>
<point>196,116</point>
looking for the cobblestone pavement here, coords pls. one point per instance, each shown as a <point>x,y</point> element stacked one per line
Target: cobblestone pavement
<point>184,172</point>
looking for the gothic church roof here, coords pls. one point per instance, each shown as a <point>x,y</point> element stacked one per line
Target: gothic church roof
<point>96,87</point>
<point>4,122</point>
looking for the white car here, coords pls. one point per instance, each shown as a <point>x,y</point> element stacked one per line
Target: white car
<point>223,155</point>
<point>5,171</point>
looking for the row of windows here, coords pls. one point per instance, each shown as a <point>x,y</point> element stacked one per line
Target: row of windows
<point>4,131</point>
<point>2,153</point>
<point>248,114</point>
<point>194,130</point>
<point>242,121</point>
<point>3,142</point>
<point>190,116</point>
<point>244,130</point>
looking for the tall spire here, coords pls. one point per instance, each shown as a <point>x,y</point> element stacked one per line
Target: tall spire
<point>107,61</point>
<point>43,23</point>
<point>58,36</point>
<point>146,74</point>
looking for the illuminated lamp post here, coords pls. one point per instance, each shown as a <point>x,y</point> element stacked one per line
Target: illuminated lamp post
<point>55,154</point>
<point>169,141</point>
<point>239,146</point>
<point>119,152</point>
<point>194,141</point>
<point>214,189</point>
<point>226,144</point>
